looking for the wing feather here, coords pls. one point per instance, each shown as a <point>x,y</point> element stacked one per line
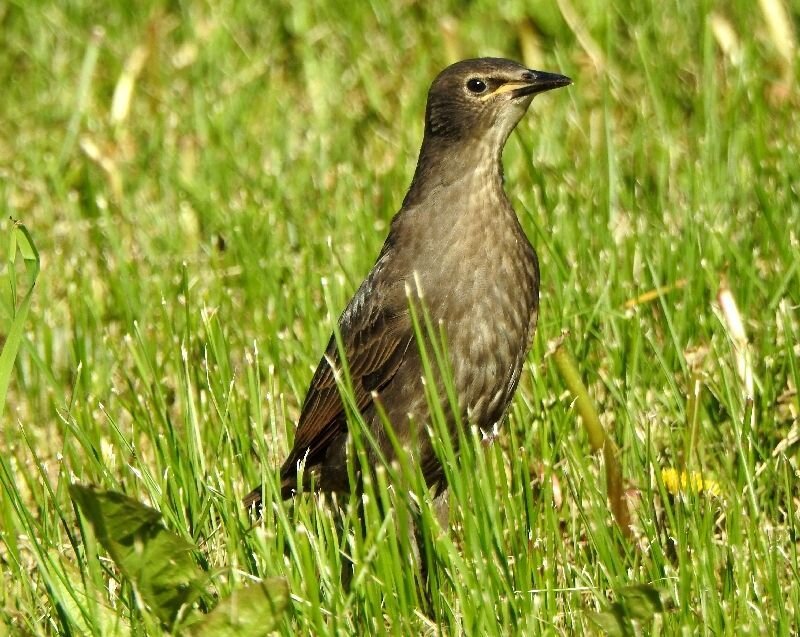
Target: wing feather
<point>374,353</point>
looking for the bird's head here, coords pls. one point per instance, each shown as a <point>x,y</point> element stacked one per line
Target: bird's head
<point>482,100</point>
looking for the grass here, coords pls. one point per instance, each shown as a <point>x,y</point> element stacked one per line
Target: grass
<point>207,183</point>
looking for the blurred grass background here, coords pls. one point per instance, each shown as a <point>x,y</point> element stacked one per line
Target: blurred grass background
<point>200,177</point>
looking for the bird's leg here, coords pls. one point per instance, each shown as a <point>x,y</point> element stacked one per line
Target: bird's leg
<point>425,557</point>
<point>339,510</point>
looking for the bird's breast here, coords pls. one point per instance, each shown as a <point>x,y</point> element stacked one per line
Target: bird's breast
<point>482,286</point>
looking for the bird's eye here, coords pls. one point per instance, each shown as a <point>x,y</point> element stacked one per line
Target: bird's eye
<point>476,86</point>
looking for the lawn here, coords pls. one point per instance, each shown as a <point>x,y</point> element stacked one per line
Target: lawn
<point>207,183</point>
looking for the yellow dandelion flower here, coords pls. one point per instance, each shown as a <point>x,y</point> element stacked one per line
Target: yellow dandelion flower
<point>683,482</point>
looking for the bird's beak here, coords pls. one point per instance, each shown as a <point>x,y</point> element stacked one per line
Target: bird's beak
<point>533,82</point>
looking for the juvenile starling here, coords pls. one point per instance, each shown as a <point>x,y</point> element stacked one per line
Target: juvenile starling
<point>457,238</point>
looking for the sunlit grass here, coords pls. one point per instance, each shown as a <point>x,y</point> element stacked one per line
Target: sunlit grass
<point>199,237</point>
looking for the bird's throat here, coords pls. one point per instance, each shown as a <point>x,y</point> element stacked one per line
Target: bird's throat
<point>465,167</point>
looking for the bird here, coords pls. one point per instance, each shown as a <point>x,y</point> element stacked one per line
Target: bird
<point>456,246</point>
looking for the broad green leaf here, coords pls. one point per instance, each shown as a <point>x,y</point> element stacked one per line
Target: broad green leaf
<point>642,601</point>
<point>71,595</point>
<point>613,622</point>
<point>158,562</point>
<point>251,611</point>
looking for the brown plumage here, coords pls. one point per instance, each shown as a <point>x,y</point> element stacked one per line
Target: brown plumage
<point>458,237</point>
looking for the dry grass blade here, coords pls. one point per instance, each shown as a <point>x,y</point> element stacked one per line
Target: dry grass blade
<point>654,294</point>
<point>590,46</point>
<point>726,37</point>
<point>735,326</point>
<point>123,92</point>
<point>781,33</point>
<point>598,439</point>
<point>106,163</point>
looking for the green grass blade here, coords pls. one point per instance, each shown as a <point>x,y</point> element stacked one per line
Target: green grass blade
<point>19,240</point>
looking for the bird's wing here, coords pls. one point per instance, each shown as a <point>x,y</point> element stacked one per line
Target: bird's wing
<point>375,344</point>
